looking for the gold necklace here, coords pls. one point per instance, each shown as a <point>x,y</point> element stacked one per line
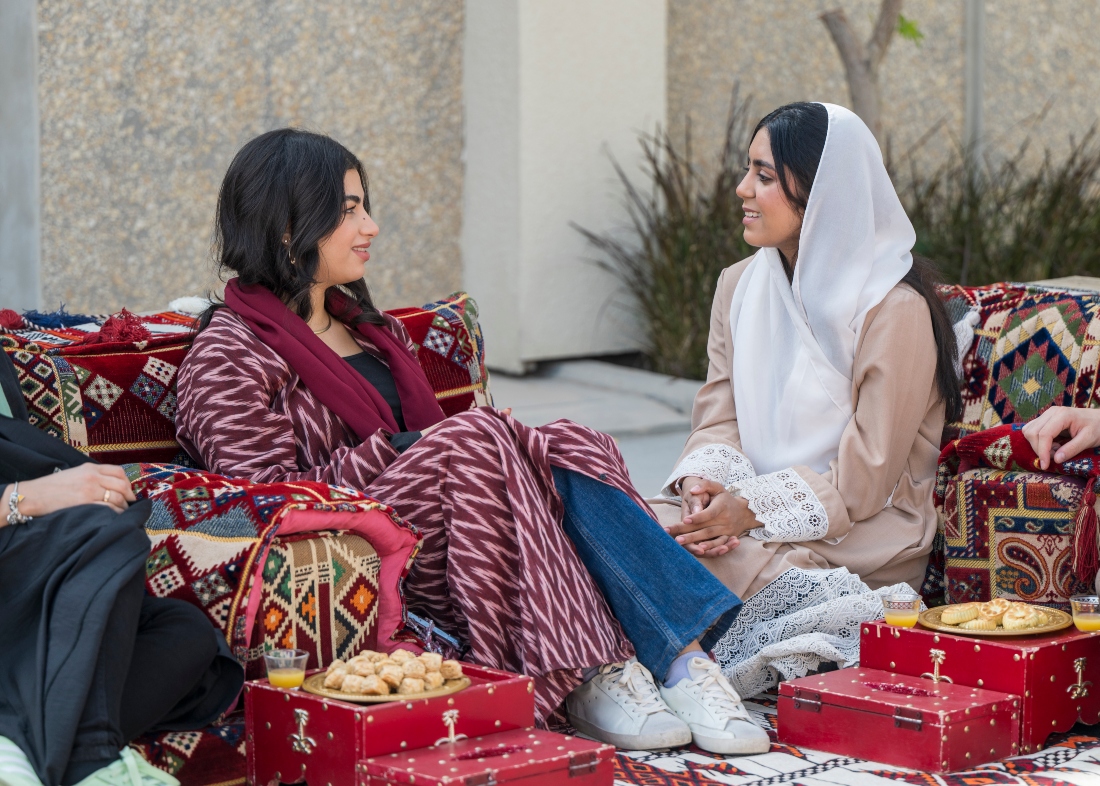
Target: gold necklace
<point>326,327</point>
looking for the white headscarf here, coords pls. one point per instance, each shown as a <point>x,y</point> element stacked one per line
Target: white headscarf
<point>795,343</point>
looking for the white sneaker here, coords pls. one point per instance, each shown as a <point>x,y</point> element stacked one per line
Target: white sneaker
<point>15,767</point>
<point>622,707</point>
<point>710,706</point>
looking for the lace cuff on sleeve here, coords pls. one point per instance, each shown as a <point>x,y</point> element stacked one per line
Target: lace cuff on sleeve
<point>787,506</point>
<point>716,462</point>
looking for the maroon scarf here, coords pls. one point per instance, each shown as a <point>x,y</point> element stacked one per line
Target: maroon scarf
<point>327,375</point>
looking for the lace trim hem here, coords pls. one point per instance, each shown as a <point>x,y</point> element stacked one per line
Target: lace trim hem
<point>720,463</point>
<point>786,506</point>
<point>794,624</point>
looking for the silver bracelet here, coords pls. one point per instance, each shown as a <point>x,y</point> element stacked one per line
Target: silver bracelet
<point>14,516</point>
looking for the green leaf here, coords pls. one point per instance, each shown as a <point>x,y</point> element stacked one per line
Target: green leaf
<point>907,29</point>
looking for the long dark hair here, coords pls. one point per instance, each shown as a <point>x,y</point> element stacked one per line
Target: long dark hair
<point>285,181</point>
<point>797,135</point>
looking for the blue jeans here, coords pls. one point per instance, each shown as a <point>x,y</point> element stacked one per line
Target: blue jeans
<point>658,591</point>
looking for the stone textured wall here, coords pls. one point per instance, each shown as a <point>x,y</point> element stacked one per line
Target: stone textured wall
<point>1036,51</point>
<point>144,102</point>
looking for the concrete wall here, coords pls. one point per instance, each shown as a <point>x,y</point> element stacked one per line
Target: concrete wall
<point>551,90</point>
<point>144,103</point>
<point>1035,52</point>
<point>20,212</point>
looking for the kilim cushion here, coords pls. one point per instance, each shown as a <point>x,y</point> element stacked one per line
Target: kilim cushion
<point>262,552</point>
<point>117,401</point>
<point>450,350</point>
<point>213,756</point>
<point>1010,535</point>
<point>320,594</point>
<point>1035,347</point>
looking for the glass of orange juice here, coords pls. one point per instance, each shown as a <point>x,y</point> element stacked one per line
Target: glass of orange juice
<point>286,668</point>
<point>901,610</point>
<point>1086,612</point>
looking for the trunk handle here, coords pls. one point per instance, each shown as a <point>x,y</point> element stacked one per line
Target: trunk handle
<point>1081,689</point>
<point>938,657</point>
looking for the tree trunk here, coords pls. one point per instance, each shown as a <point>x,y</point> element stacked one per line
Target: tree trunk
<point>861,61</point>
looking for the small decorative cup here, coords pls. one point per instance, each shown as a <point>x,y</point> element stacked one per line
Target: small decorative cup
<point>286,668</point>
<point>1086,612</point>
<point>901,610</point>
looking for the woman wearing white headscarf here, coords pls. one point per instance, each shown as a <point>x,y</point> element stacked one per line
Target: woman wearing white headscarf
<point>806,483</point>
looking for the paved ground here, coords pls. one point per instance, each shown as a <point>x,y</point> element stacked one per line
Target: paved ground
<point>648,414</point>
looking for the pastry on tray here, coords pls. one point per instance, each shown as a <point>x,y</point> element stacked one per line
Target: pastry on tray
<point>1022,617</point>
<point>979,624</point>
<point>994,610</point>
<point>956,615</point>
<point>999,614</point>
<point>377,674</point>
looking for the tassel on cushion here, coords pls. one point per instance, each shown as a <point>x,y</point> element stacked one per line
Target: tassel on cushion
<point>122,327</point>
<point>1086,557</point>
<point>10,320</point>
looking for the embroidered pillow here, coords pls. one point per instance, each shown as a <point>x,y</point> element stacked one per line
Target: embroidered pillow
<point>450,350</point>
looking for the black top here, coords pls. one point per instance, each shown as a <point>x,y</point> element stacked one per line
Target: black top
<point>378,374</point>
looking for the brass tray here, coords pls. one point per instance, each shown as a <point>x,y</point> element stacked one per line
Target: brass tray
<point>1059,620</point>
<point>316,685</point>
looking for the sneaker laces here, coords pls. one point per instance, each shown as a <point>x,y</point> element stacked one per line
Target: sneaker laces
<point>717,694</point>
<point>636,684</point>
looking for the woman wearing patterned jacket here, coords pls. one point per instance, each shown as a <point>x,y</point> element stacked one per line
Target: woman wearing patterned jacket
<point>529,533</point>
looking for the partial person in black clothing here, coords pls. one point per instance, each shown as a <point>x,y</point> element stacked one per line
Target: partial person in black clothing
<point>88,661</point>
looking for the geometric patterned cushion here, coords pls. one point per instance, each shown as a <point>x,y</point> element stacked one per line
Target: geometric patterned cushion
<point>213,756</point>
<point>1010,535</point>
<point>320,594</point>
<point>1035,347</point>
<point>113,402</point>
<point>450,349</point>
<point>320,591</point>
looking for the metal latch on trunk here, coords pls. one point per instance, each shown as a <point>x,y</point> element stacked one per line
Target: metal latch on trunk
<point>583,763</point>
<point>485,779</point>
<point>807,700</point>
<point>908,718</point>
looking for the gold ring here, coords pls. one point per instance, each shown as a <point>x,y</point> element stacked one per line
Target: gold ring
<point>107,495</point>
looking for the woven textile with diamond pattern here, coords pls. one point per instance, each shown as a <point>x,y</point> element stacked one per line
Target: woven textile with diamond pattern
<point>1009,533</point>
<point>247,552</point>
<point>1034,347</point>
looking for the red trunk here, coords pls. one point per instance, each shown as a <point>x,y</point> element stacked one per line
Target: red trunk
<point>898,720</point>
<point>1057,675</point>
<point>526,757</point>
<point>294,736</point>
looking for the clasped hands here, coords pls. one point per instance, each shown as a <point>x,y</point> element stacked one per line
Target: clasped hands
<point>712,519</point>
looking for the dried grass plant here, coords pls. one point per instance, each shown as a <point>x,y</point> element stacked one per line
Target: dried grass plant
<point>999,221</point>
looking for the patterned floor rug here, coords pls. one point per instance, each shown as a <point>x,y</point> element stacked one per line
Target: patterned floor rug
<point>1071,759</point>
